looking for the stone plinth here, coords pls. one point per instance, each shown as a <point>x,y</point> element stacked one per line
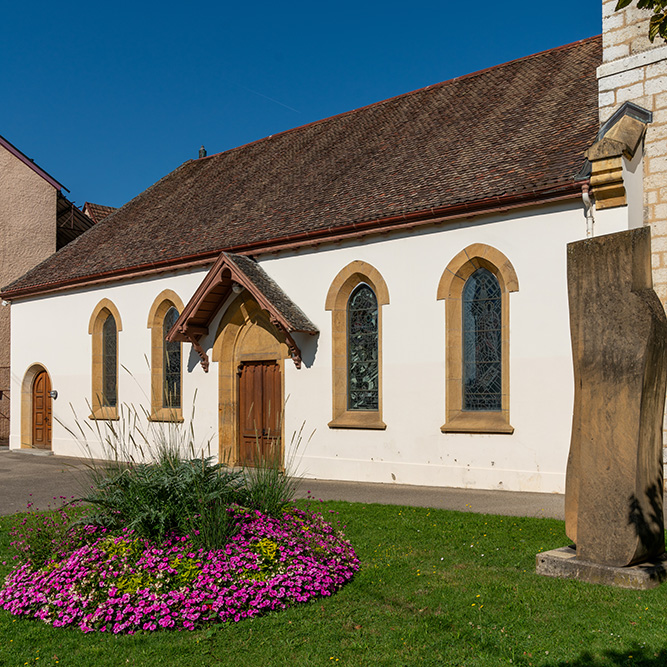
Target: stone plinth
<point>613,497</point>
<point>563,563</point>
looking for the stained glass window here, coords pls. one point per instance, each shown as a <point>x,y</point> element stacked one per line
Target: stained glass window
<point>171,363</point>
<point>363,372</point>
<point>482,342</point>
<point>109,362</point>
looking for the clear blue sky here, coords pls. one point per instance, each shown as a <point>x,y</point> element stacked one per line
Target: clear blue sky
<point>110,97</point>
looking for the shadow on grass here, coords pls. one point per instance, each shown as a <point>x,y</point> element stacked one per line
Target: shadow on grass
<point>635,655</point>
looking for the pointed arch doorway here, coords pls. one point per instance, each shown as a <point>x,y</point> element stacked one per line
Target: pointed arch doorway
<point>251,352</point>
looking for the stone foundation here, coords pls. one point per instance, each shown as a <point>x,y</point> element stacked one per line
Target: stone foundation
<point>563,563</point>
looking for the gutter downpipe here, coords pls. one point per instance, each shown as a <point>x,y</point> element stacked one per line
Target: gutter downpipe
<point>588,204</point>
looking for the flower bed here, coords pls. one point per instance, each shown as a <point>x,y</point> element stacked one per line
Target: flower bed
<point>121,583</point>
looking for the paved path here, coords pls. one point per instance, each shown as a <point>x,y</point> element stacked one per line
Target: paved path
<point>26,477</point>
<point>42,480</point>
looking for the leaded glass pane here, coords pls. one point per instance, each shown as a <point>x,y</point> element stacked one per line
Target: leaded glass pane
<point>109,362</point>
<point>363,374</point>
<point>171,359</point>
<point>482,342</point>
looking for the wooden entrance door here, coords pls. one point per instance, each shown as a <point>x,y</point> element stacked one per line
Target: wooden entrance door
<point>260,412</point>
<point>41,411</point>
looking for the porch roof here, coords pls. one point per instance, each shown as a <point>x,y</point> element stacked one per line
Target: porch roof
<point>228,272</point>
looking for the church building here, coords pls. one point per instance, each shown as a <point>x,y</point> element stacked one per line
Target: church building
<point>391,279</point>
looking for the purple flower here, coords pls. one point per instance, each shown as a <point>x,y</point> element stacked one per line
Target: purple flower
<point>125,584</point>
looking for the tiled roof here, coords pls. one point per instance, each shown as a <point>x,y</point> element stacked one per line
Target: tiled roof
<point>97,212</point>
<point>293,317</point>
<point>515,130</point>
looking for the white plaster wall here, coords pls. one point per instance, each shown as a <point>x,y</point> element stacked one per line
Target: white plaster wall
<point>61,343</point>
<point>633,180</point>
<point>412,450</point>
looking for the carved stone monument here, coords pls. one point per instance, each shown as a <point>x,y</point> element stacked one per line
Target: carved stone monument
<point>614,485</point>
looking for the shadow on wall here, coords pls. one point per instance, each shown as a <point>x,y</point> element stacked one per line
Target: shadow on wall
<point>193,357</point>
<point>307,343</point>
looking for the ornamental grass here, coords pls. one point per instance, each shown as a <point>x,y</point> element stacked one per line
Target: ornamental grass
<point>166,539</point>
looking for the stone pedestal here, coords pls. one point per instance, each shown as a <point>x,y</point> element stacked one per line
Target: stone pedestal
<point>564,563</point>
<point>614,486</point>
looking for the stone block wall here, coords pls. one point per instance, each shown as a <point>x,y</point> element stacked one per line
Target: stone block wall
<point>635,70</point>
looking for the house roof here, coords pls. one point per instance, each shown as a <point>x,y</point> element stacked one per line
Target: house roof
<point>510,135</point>
<point>97,212</point>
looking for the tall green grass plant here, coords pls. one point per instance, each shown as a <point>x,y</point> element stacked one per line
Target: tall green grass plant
<point>155,479</point>
<point>269,487</point>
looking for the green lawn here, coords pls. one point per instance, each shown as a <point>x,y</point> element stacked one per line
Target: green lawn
<point>435,588</point>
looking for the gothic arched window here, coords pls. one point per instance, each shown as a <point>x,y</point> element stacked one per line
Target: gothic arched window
<point>476,287</point>
<point>171,365</point>
<point>482,342</point>
<point>166,359</point>
<point>363,368</point>
<point>109,397</point>
<point>356,299</point>
<point>104,326</point>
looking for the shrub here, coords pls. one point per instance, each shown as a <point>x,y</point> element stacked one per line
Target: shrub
<point>169,496</point>
<point>270,488</point>
<point>152,481</point>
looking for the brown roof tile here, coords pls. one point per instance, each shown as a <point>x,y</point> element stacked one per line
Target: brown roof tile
<point>508,131</point>
<point>97,212</point>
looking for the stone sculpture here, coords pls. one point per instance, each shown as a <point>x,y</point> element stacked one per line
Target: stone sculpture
<point>614,487</point>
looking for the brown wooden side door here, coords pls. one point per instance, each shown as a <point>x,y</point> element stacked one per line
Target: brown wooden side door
<point>41,411</point>
<point>260,412</point>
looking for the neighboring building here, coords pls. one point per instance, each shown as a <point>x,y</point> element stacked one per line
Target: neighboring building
<point>36,219</point>
<point>97,212</point>
<point>395,275</point>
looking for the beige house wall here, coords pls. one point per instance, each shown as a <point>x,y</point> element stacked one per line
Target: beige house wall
<point>28,235</point>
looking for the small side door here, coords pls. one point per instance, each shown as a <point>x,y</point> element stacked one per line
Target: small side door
<point>41,411</point>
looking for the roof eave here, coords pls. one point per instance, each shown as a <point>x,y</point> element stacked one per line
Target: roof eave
<point>554,193</point>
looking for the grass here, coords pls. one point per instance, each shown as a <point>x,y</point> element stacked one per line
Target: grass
<point>436,588</point>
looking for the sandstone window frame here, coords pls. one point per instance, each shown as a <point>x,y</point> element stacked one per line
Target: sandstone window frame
<point>342,287</point>
<point>450,289</point>
<point>162,304</point>
<point>104,309</point>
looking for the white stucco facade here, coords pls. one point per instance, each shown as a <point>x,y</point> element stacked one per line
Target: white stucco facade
<point>412,449</point>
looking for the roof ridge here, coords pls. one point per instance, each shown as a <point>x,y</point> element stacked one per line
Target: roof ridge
<point>150,188</point>
<point>440,84</point>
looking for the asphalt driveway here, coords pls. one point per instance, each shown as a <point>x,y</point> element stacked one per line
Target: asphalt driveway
<point>47,480</point>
